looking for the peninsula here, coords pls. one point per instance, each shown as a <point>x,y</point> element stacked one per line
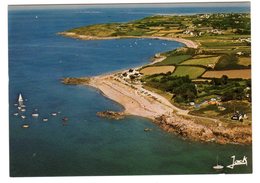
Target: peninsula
<point>201,91</point>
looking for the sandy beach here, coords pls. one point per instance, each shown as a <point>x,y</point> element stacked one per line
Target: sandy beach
<point>135,99</point>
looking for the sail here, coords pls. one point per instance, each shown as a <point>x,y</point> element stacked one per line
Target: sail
<point>20,99</point>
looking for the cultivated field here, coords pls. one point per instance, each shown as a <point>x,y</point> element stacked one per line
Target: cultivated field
<point>246,61</point>
<point>192,71</point>
<point>174,60</point>
<point>202,56</point>
<point>208,61</point>
<point>243,73</point>
<point>157,70</point>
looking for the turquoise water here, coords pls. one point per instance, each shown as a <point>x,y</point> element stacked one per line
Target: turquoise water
<point>89,145</point>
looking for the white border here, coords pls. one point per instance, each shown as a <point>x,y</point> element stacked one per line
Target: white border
<point>4,127</point>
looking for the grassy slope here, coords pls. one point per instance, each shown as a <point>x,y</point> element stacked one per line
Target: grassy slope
<point>174,60</point>
<point>201,61</point>
<point>191,71</point>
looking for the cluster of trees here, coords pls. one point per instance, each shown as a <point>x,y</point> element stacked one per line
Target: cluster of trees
<point>220,81</point>
<point>233,90</point>
<point>182,88</point>
<point>236,93</point>
<point>229,61</point>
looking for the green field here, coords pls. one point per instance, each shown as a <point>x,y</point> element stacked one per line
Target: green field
<point>202,61</point>
<point>173,60</point>
<point>202,56</point>
<point>192,71</point>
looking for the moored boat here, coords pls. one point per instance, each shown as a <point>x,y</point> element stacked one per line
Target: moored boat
<point>217,166</point>
<point>20,100</point>
<point>54,114</point>
<point>25,126</point>
<point>35,115</point>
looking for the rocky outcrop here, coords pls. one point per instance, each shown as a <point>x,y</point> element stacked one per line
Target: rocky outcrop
<point>185,128</point>
<point>75,81</point>
<point>191,130</point>
<point>239,135</point>
<point>111,115</point>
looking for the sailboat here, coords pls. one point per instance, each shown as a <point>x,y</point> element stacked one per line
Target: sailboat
<point>20,100</point>
<point>218,167</point>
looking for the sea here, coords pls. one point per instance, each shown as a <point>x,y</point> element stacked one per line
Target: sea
<point>89,145</point>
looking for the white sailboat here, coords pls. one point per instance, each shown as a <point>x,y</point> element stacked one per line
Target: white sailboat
<point>20,100</point>
<point>218,167</point>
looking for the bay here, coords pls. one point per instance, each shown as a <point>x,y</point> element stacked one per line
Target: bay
<point>89,145</point>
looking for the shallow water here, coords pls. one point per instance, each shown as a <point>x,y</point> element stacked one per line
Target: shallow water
<point>89,145</point>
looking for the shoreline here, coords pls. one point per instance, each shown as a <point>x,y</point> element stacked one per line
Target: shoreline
<point>166,115</point>
<point>188,43</point>
<point>138,101</point>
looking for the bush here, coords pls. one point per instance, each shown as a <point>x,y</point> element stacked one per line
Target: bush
<point>182,87</point>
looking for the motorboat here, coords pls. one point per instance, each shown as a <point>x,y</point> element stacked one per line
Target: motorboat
<point>54,114</point>
<point>36,115</point>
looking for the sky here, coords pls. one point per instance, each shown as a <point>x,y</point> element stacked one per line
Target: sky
<point>162,5</point>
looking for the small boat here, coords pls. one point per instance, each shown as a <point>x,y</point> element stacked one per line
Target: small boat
<point>218,167</point>
<point>25,126</point>
<point>54,114</point>
<point>19,108</point>
<point>36,115</point>
<point>23,117</point>
<point>147,129</point>
<point>65,119</point>
<point>15,104</point>
<point>16,114</point>
<point>23,106</point>
<point>45,119</point>
<point>23,110</point>
<point>20,100</point>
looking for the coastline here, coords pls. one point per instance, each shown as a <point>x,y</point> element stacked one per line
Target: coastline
<point>138,101</point>
<point>167,116</point>
<point>188,43</point>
